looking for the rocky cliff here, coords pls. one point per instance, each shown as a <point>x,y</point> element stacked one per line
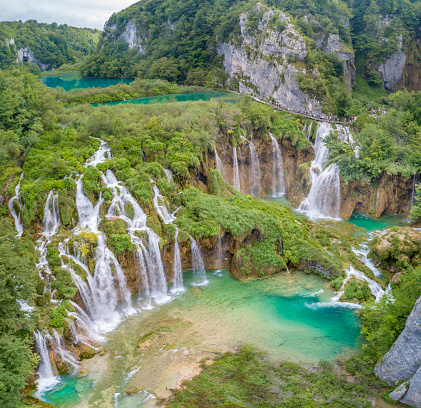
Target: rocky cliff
<point>402,363</point>
<point>261,65</point>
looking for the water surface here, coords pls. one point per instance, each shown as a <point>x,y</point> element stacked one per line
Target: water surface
<point>276,314</point>
<point>69,82</point>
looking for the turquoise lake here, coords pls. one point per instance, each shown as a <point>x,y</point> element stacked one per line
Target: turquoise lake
<point>69,82</point>
<point>278,314</point>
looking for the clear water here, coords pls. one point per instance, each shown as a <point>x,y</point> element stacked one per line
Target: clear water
<point>374,224</point>
<point>69,82</point>
<point>274,314</point>
<point>187,97</point>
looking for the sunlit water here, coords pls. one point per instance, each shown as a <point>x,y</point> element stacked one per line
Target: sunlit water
<point>69,82</point>
<point>274,314</point>
<point>186,97</point>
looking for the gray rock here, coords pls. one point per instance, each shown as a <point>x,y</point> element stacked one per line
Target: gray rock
<point>403,360</point>
<point>397,394</point>
<point>413,396</point>
<point>261,63</point>
<point>26,54</point>
<point>391,70</point>
<point>130,37</point>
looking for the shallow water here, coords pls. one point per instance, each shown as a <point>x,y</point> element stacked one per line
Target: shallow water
<point>187,97</point>
<point>272,314</point>
<point>374,224</point>
<point>69,82</point>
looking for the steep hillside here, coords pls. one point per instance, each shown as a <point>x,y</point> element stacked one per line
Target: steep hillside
<point>46,45</point>
<point>245,46</point>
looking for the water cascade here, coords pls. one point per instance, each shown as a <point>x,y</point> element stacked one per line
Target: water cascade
<point>374,286</point>
<point>169,176</point>
<point>16,217</point>
<point>362,254</point>
<point>66,357</point>
<point>161,207</point>
<point>178,272</point>
<point>236,174</point>
<point>198,266</point>
<point>156,283</point>
<point>278,181</point>
<point>219,252</point>
<point>243,171</point>
<point>220,165</point>
<point>323,199</point>
<point>254,172</point>
<point>47,380</point>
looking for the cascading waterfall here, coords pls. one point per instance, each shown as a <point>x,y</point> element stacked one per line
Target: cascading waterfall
<point>198,266</point>
<point>169,176</point>
<point>47,380</point>
<point>161,208</point>
<point>178,272</point>
<point>156,282</point>
<point>243,171</point>
<point>220,165</point>
<point>374,286</point>
<point>254,172</point>
<point>16,217</point>
<point>323,199</point>
<point>236,174</point>
<point>278,181</point>
<point>362,254</point>
<point>219,254</point>
<point>66,357</point>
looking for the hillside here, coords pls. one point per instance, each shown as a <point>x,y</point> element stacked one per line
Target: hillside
<point>46,45</point>
<point>302,55</point>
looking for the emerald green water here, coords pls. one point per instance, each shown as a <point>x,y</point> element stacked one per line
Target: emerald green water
<point>278,314</point>
<point>69,82</point>
<point>187,97</point>
<point>374,224</point>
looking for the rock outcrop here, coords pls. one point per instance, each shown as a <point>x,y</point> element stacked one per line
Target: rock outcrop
<point>387,194</point>
<point>260,62</point>
<point>402,362</point>
<point>26,55</point>
<point>131,38</point>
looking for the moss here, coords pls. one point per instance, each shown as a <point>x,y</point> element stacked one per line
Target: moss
<point>154,223</point>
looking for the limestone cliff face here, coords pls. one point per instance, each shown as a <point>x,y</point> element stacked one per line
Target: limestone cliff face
<point>25,54</point>
<point>260,62</point>
<point>387,194</point>
<point>392,70</point>
<point>412,69</point>
<point>131,38</point>
<point>402,362</point>
<point>333,45</point>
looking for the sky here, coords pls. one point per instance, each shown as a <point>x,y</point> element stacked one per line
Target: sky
<point>78,13</point>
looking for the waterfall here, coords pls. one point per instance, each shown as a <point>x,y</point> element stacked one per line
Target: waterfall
<point>278,181</point>
<point>362,254</point>
<point>161,207</point>
<point>178,272</point>
<point>66,357</point>
<point>219,254</point>
<point>236,175</point>
<point>16,217</point>
<point>323,199</point>
<point>47,380</point>
<point>243,171</point>
<point>169,176</point>
<point>220,165</point>
<point>254,172</point>
<point>199,272</point>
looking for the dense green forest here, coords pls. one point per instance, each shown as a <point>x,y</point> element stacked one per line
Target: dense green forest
<point>53,45</point>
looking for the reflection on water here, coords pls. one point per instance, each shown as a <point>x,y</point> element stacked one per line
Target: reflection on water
<point>69,82</point>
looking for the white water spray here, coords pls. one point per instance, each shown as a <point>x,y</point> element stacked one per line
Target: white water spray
<point>199,272</point>
<point>254,172</point>
<point>236,174</point>
<point>278,181</point>
<point>16,217</point>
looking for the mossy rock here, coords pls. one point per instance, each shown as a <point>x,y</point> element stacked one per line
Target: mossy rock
<point>154,223</point>
<point>67,209</point>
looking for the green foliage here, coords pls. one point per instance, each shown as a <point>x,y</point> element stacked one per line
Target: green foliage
<point>64,284</point>
<point>57,316</point>
<point>357,290</point>
<point>52,44</point>
<point>121,243</point>
<point>383,321</point>
<point>250,379</point>
<point>16,283</point>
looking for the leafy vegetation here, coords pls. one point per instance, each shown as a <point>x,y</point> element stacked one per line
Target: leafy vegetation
<point>249,378</point>
<point>53,45</point>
